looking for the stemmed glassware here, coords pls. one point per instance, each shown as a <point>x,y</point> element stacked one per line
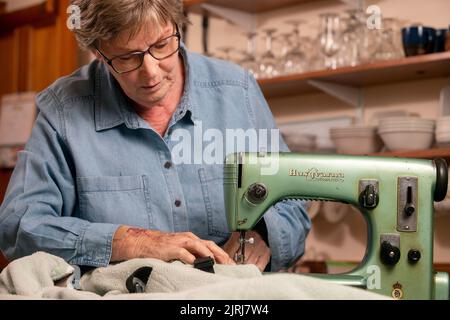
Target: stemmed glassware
<point>269,66</point>
<point>249,60</point>
<point>346,40</point>
<point>294,60</point>
<point>330,39</point>
<point>351,53</point>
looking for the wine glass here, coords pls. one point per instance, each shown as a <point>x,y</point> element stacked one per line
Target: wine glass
<point>269,66</point>
<point>351,53</point>
<point>249,60</point>
<point>330,38</point>
<point>295,60</point>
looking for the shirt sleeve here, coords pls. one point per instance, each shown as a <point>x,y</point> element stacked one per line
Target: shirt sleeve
<point>37,213</point>
<point>287,222</point>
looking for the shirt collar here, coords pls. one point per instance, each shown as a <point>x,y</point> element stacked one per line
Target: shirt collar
<point>112,108</point>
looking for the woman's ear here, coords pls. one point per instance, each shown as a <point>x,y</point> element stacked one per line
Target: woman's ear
<point>96,54</point>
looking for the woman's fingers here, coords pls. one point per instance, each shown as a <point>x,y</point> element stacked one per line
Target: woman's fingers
<point>257,253</point>
<point>200,248</point>
<point>263,260</point>
<point>220,255</point>
<point>184,246</point>
<point>232,245</point>
<point>183,255</point>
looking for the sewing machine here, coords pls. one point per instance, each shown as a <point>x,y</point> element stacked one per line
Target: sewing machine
<point>394,195</point>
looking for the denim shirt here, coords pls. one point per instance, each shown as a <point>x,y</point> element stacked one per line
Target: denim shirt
<point>92,164</point>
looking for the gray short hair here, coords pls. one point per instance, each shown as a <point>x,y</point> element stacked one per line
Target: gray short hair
<point>106,19</point>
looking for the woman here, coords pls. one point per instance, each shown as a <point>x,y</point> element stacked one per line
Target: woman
<point>99,180</point>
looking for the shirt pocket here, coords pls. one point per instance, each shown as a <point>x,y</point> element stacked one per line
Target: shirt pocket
<point>211,179</point>
<point>122,200</point>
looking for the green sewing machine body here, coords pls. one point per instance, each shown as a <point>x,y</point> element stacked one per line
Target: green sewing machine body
<point>395,196</point>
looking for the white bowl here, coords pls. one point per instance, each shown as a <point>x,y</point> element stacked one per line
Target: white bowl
<point>383,130</point>
<point>443,138</point>
<point>300,142</point>
<point>407,120</point>
<point>407,140</point>
<point>360,141</point>
<point>406,128</point>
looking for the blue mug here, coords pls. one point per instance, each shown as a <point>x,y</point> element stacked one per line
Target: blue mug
<point>418,40</point>
<point>441,38</point>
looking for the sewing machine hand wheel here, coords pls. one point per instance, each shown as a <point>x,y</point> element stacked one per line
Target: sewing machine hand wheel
<point>440,192</point>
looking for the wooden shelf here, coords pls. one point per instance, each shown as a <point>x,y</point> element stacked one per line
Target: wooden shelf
<point>250,6</point>
<point>422,154</point>
<point>406,69</point>
<point>39,15</point>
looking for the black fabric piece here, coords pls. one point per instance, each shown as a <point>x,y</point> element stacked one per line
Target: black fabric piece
<point>137,281</point>
<point>85,269</point>
<point>205,264</point>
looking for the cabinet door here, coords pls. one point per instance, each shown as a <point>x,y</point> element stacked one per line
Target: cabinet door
<point>32,56</point>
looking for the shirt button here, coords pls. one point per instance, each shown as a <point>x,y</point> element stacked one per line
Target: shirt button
<point>168,165</point>
<point>178,203</point>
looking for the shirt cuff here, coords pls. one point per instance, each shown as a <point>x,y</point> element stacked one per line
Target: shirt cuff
<point>95,245</point>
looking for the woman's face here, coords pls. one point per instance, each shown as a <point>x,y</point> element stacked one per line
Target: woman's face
<point>151,84</point>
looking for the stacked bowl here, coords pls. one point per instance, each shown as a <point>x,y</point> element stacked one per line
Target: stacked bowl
<point>407,133</point>
<point>299,142</point>
<point>356,139</point>
<point>443,131</point>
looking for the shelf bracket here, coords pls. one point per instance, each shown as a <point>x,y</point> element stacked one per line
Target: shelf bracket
<point>248,21</point>
<point>351,95</point>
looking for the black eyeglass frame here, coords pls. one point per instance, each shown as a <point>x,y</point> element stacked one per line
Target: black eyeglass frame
<point>142,53</point>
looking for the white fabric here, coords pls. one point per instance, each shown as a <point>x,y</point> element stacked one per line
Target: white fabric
<point>33,277</point>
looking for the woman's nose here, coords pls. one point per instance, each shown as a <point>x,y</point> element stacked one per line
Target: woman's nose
<point>150,65</point>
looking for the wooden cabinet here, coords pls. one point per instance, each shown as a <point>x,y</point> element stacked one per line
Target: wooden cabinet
<point>36,47</point>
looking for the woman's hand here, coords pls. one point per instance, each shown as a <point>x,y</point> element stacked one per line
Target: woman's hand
<point>130,242</point>
<point>257,253</point>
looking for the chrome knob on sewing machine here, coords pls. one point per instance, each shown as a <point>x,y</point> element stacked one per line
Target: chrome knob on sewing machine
<point>394,195</point>
<point>390,254</point>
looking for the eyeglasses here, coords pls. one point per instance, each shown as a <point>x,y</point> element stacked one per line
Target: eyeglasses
<point>160,50</point>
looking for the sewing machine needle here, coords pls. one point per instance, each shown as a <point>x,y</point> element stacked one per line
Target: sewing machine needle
<point>240,254</point>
